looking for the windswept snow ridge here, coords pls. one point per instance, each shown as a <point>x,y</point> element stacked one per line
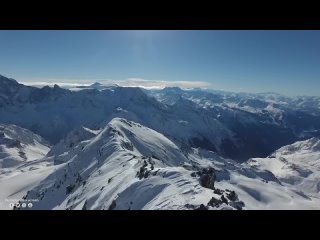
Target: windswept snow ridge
<point>129,166</point>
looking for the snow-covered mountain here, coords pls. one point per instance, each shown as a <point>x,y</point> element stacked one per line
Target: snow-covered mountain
<point>22,162</point>
<point>129,166</point>
<point>260,123</point>
<point>132,148</point>
<point>238,126</point>
<point>19,145</point>
<point>66,146</point>
<point>296,165</point>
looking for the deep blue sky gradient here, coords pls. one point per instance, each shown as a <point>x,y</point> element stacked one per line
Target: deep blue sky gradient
<point>287,62</point>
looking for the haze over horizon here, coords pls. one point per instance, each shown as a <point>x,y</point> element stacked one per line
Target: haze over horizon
<point>285,62</point>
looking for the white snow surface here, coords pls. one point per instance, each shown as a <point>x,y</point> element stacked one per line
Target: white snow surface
<point>19,145</point>
<point>296,166</point>
<point>129,166</point>
<point>22,166</point>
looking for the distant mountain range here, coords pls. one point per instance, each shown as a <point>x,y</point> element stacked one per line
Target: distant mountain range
<point>238,126</point>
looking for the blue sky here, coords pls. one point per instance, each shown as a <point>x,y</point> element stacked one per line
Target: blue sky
<point>287,62</point>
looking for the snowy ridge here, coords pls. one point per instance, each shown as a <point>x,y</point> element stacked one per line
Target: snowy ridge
<point>129,166</point>
<point>107,155</point>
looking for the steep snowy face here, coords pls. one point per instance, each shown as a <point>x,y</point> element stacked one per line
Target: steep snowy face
<point>296,165</point>
<point>147,142</point>
<point>70,145</point>
<point>19,145</point>
<point>118,156</point>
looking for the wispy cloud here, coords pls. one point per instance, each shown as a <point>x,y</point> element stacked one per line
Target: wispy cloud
<point>130,82</point>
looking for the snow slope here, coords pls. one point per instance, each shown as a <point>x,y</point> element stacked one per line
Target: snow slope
<point>70,145</point>
<point>15,185</point>
<point>19,145</point>
<point>129,166</point>
<point>22,166</point>
<point>296,165</point>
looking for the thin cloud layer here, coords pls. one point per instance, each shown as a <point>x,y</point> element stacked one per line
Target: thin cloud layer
<point>130,82</point>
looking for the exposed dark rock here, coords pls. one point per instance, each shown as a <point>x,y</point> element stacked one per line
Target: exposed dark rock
<point>127,145</point>
<point>232,196</point>
<point>190,206</point>
<point>145,164</point>
<point>207,178</point>
<point>69,189</point>
<point>202,207</point>
<point>214,202</point>
<point>146,174</point>
<point>79,178</point>
<point>113,205</point>
<point>224,200</point>
<point>143,172</point>
<point>237,205</point>
<point>84,205</point>
<point>218,191</point>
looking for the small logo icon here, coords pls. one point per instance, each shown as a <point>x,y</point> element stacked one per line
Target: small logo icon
<point>11,205</point>
<point>17,205</point>
<point>30,205</point>
<point>23,205</point>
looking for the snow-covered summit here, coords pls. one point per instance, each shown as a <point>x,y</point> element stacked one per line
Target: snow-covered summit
<point>148,142</point>
<point>129,166</point>
<point>125,166</point>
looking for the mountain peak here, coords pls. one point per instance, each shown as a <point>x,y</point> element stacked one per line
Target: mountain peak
<point>96,84</point>
<point>4,79</point>
<point>56,86</point>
